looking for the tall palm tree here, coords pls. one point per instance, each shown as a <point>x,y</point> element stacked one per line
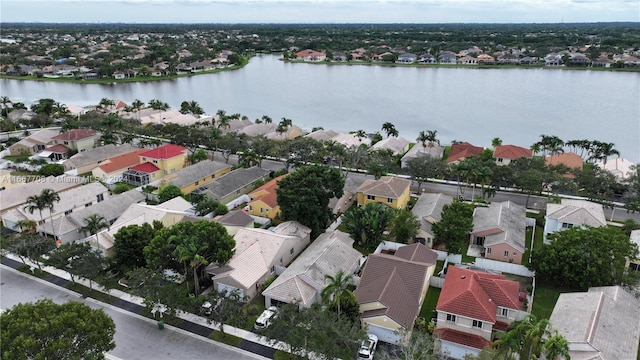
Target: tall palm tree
<point>266,119</point>
<point>188,249</point>
<point>337,288</point>
<point>105,103</point>
<point>49,198</point>
<point>360,134</point>
<point>422,139</point>
<point>27,225</point>
<point>495,142</point>
<point>137,104</point>
<point>431,138</point>
<point>556,347</point>
<point>93,224</point>
<point>390,129</point>
<point>35,202</point>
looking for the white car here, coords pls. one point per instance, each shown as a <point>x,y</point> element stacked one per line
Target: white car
<point>264,319</point>
<point>368,347</point>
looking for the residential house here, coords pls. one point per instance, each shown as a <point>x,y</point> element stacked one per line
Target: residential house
<point>351,140</point>
<point>570,213</point>
<point>500,230</point>
<point>486,59</point>
<point>259,129</point>
<point>311,55</point>
<point>621,168</point>
<point>67,228</point>
<point>461,151</point>
<point>388,190</point>
<point>505,154</point>
<point>110,171</point>
<point>70,201</point>
<point>339,56</point>
<point>397,145</point>
<point>88,160</point>
<point>22,114</point>
<point>290,133</point>
<point>509,59</point>
<point>435,151</point>
<point>234,184</point>
<point>568,159</point>
<point>392,289</point>
<point>427,59</point>
<point>467,60</point>
<point>235,220</point>
<point>258,253</point>
<point>447,57</point>
<point>529,60</point>
<point>77,139</point>
<point>54,153</point>
<point>33,143</point>
<point>17,195</point>
<point>168,213</point>
<point>195,176</point>
<point>428,210</point>
<point>303,280</point>
<point>601,323</point>
<point>407,58</point>
<point>634,264</point>
<point>472,306</point>
<point>578,59</point>
<point>264,201</point>
<point>322,135</point>
<point>156,164</point>
<point>7,180</point>
<point>553,59</point>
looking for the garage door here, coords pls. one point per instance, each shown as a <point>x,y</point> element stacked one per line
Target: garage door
<point>228,289</point>
<point>457,351</point>
<point>384,334</point>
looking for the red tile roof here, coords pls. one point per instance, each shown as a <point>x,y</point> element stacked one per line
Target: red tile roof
<point>59,148</point>
<point>463,150</point>
<point>146,168</point>
<point>459,337</point>
<point>75,134</point>
<point>167,151</point>
<point>270,197</point>
<point>511,152</point>
<point>476,294</point>
<point>122,161</point>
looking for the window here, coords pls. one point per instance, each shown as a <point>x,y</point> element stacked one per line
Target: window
<point>173,171</point>
<point>488,250</point>
<point>515,253</point>
<point>66,143</point>
<point>451,317</point>
<point>164,172</point>
<point>144,159</point>
<point>250,208</point>
<point>197,182</point>
<point>389,200</point>
<point>477,324</point>
<point>506,253</point>
<point>261,210</point>
<point>371,197</point>
<point>291,251</point>
<point>567,226</point>
<point>504,312</point>
<point>273,268</point>
<point>500,160</point>
<point>68,212</point>
<point>155,161</point>
<point>87,204</point>
<point>100,197</point>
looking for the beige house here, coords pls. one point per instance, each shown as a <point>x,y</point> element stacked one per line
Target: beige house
<point>392,289</point>
<point>258,253</point>
<point>77,139</point>
<point>397,145</point>
<point>570,213</point>
<point>388,190</point>
<point>304,279</point>
<point>88,160</point>
<point>428,209</point>
<point>33,143</point>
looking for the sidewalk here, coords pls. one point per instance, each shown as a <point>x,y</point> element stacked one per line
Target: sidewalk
<point>194,324</point>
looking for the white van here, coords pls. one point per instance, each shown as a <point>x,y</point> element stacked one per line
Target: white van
<point>264,319</point>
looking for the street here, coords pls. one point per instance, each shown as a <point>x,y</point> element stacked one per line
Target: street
<point>136,337</point>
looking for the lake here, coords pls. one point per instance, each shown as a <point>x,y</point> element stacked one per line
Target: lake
<point>464,104</point>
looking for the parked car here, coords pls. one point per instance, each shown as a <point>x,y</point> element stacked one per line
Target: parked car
<point>264,319</point>
<point>368,347</point>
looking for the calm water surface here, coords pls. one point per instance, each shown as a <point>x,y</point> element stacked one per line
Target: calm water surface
<point>475,105</point>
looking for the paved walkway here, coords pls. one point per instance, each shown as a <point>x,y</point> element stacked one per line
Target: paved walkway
<point>196,325</point>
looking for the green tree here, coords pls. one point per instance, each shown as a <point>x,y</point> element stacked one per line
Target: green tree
<point>211,206</point>
<point>583,258</point>
<point>304,196</point>
<point>454,227</point>
<point>129,244</point>
<point>46,330</point>
<point>556,347</point>
<point>93,224</point>
<point>337,288</point>
<point>197,156</point>
<point>226,308</point>
<point>367,224</point>
<point>404,226</point>
<point>70,257</point>
<point>390,129</point>
<point>422,168</point>
<point>44,200</point>
<point>495,142</point>
<point>420,345</point>
<point>51,170</point>
<point>189,249</point>
<point>169,192</point>
<point>28,245</point>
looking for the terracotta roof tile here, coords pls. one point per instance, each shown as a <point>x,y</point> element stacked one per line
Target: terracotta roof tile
<point>386,186</point>
<point>75,134</point>
<point>122,161</point>
<point>268,191</point>
<point>511,152</point>
<point>58,148</point>
<point>146,168</point>
<point>167,151</point>
<point>459,337</point>
<point>463,150</point>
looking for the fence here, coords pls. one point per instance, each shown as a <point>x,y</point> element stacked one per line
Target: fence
<point>503,267</point>
<point>436,281</point>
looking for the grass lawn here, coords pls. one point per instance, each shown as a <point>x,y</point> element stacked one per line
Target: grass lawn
<point>544,300</point>
<point>226,338</point>
<point>283,355</point>
<point>430,302</point>
<point>537,242</point>
<point>466,258</point>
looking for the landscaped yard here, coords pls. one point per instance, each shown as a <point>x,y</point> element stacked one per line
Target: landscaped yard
<point>430,302</point>
<point>544,300</point>
<point>537,242</point>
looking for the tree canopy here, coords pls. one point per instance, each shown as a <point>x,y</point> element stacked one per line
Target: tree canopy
<point>45,330</point>
<point>454,227</point>
<point>304,196</point>
<point>581,258</point>
<point>367,224</point>
<point>129,245</point>
<point>169,192</point>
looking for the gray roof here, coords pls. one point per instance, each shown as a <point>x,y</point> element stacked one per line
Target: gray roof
<point>305,277</point>
<point>18,195</point>
<point>234,181</point>
<point>502,222</point>
<point>428,209</point>
<point>436,151</point>
<point>235,218</point>
<point>603,323</point>
<point>110,209</point>
<point>322,135</point>
<point>195,172</point>
<point>98,154</point>
<point>577,212</point>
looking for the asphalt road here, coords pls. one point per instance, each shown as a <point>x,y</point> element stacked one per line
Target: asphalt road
<point>136,337</point>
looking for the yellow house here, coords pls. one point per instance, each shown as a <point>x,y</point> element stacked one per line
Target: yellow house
<point>156,164</point>
<point>197,175</point>
<point>264,201</point>
<point>388,190</point>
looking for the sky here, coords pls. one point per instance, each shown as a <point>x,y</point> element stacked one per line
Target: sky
<point>319,11</point>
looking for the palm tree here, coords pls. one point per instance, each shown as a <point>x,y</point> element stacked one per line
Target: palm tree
<point>158,105</point>
<point>360,134</point>
<point>495,142</point>
<point>422,139</point>
<point>195,108</point>
<point>188,250</point>
<point>93,224</point>
<point>390,129</point>
<point>137,104</point>
<point>29,225</point>
<point>49,197</point>
<point>266,119</point>
<point>556,347</point>
<point>337,288</point>
<point>105,103</point>
<point>35,202</point>
<point>223,119</point>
